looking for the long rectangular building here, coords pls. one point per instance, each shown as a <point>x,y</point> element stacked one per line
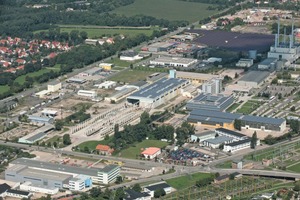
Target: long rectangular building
<point>101,176</point>
<point>226,120</point>
<point>158,93</point>
<point>253,78</point>
<point>173,61</point>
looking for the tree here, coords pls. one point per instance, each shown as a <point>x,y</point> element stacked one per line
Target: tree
<point>159,192</point>
<point>237,124</point>
<point>145,118</point>
<point>59,125</point>
<point>253,140</point>
<point>120,194</point>
<point>270,140</point>
<point>55,144</point>
<point>136,187</point>
<point>293,109</point>
<point>295,125</point>
<point>119,179</point>
<point>67,139</point>
<point>95,192</point>
<point>297,187</point>
<point>231,177</point>
<point>236,75</point>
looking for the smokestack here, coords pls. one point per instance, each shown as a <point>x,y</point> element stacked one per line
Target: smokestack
<point>291,41</point>
<point>284,36</point>
<point>292,32</point>
<point>278,32</point>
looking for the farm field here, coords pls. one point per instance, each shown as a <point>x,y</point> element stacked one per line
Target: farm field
<point>136,149</point>
<point>187,181</point>
<point>131,76</point>
<point>100,32</point>
<point>167,9</point>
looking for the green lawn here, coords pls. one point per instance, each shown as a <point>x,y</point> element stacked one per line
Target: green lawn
<point>100,32</point>
<point>130,76</point>
<point>233,107</point>
<point>4,88</point>
<point>55,138</point>
<point>225,165</point>
<point>249,107</point>
<point>93,143</point>
<point>167,9</point>
<point>120,63</point>
<point>294,168</point>
<point>136,149</point>
<point>21,79</point>
<point>187,181</point>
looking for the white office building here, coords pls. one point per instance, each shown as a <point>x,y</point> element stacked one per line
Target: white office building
<point>108,174</point>
<point>214,86</point>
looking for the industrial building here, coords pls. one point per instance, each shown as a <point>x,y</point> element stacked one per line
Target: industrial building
<point>194,78</point>
<point>37,135</point>
<point>226,120</point>
<point>217,141</point>
<point>87,93</point>
<point>229,133</point>
<point>130,56</point>
<point>106,66</point>
<point>213,86</point>
<point>40,120</point>
<point>158,93</point>
<point>91,72</point>
<point>76,80</point>
<point>244,63</point>
<point>200,137</point>
<point>237,145</point>
<point>159,46</point>
<point>253,78</point>
<point>173,61</point>
<point>29,187</point>
<point>210,102</point>
<point>267,64</point>
<point>285,46</point>
<point>120,95</point>
<point>49,113</point>
<point>107,85</point>
<point>105,175</point>
<point>151,152</point>
<point>156,76</point>
<point>153,187</point>
<point>54,87</point>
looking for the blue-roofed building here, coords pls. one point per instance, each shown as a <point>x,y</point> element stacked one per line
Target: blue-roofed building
<point>210,102</point>
<point>158,93</point>
<point>226,120</point>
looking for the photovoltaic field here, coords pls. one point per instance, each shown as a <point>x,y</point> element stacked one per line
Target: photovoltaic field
<point>235,41</point>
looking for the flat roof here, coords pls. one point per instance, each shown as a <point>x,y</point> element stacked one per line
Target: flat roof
<point>51,112</point>
<point>39,133</point>
<point>179,60</point>
<point>109,168</point>
<point>151,150</point>
<point>268,61</point>
<point>37,173</point>
<point>57,167</point>
<point>161,45</point>
<point>239,142</point>
<point>230,132</point>
<point>158,88</point>
<point>209,99</point>
<point>255,76</point>
<point>204,133</point>
<point>219,140</point>
<point>194,75</point>
<point>267,120</point>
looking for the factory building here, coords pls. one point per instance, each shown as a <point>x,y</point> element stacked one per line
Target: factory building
<point>226,120</point>
<point>229,133</point>
<point>267,64</point>
<point>130,56</point>
<point>213,86</point>
<point>237,145</point>
<point>200,137</point>
<point>194,78</point>
<point>120,95</point>
<point>173,61</point>
<point>285,46</point>
<point>253,79</point>
<point>210,102</point>
<point>87,93</point>
<point>106,85</point>
<point>106,66</point>
<point>217,141</point>
<point>244,63</point>
<point>158,93</point>
<point>54,87</point>
<point>37,135</point>
<point>91,72</point>
<point>29,187</point>
<point>159,46</point>
<point>105,175</point>
<point>40,120</point>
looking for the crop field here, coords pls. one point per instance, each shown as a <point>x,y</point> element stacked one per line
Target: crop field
<point>100,32</point>
<point>167,9</point>
<point>136,149</point>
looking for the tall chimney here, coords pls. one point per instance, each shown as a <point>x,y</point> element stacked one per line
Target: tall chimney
<point>292,32</point>
<point>284,36</point>
<point>278,32</point>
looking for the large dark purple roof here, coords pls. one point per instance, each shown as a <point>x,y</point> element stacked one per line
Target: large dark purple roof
<point>235,41</point>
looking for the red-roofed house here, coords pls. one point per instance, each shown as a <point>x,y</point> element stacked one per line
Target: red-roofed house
<point>20,61</point>
<point>52,55</point>
<point>11,70</point>
<point>3,49</point>
<point>104,149</point>
<point>20,67</point>
<point>5,64</point>
<point>151,152</point>
<point>110,40</point>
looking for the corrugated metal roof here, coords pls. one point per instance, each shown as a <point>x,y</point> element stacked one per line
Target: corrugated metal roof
<point>255,76</point>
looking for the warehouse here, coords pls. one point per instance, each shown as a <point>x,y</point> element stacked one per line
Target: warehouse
<point>87,93</point>
<point>244,63</point>
<point>40,120</point>
<point>210,102</point>
<point>199,137</point>
<point>91,72</point>
<point>158,93</point>
<point>29,187</point>
<point>237,145</point>
<point>160,46</point>
<point>226,120</point>
<point>105,175</point>
<point>253,78</point>
<point>107,84</point>
<point>55,86</point>
<point>120,95</point>
<point>194,78</point>
<point>76,80</point>
<point>173,61</point>
<point>230,133</point>
<point>267,64</point>
<point>130,56</point>
<point>216,142</point>
<point>36,135</point>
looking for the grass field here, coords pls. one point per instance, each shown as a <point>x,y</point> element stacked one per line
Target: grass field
<point>100,32</point>
<point>249,107</point>
<point>136,149</point>
<point>130,76</point>
<point>4,88</point>
<point>21,79</point>
<point>233,107</point>
<point>167,9</point>
<point>187,181</point>
<point>120,63</point>
<point>225,165</point>
<point>93,143</point>
<point>294,168</point>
